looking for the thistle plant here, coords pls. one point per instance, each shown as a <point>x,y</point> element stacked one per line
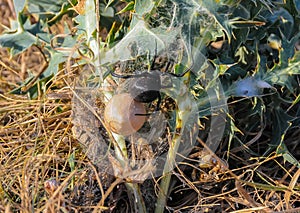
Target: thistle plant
<point>239,98</point>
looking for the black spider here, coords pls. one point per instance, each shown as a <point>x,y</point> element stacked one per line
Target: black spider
<point>146,86</point>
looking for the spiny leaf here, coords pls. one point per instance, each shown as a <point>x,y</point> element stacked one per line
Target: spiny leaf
<point>282,122</point>
<point>297,99</point>
<point>106,11</point>
<point>55,60</point>
<point>34,90</point>
<point>287,156</point>
<point>142,37</point>
<point>141,8</point>
<point>282,74</point>
<point>129,7</point>
<point>87,21</point>
<point>17,42</point>
<point>47,8</point>
<point>19,6</point>
<point>22,36</point>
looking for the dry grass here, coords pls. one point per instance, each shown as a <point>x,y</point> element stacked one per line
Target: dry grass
<point>43,168</point>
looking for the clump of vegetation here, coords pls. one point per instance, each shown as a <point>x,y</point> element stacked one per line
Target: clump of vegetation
<point>225,137</point>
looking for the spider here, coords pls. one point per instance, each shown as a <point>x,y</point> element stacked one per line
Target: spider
<point>145,87</point>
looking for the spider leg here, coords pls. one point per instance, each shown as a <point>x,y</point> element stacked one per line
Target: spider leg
<point>184,72</point>
<point>120,76</point>
<point>127,76</point>
<point>154,58</point>
<point>158,103</point>
<point>168,66</point>
<point>147,114</point>
<point>181,74</point>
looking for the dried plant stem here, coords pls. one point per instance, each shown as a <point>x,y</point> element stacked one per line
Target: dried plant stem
<point>108,191</point>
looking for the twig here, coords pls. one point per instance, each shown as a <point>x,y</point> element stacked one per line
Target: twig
<point>109,190</point>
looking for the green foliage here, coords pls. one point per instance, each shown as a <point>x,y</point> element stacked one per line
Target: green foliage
<point>21,35</point>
